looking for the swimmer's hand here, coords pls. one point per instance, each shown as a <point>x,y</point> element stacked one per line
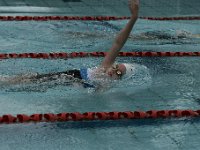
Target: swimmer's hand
<point>134,7</point>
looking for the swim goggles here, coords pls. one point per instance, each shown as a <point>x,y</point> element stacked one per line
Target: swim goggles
<point>115,67</point>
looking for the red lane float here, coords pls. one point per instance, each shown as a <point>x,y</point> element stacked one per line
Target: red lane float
<point>171,18</point>
<point>90,116</point>
<point>63,55</point>
<point>88,18</point>
<point>60,18</point>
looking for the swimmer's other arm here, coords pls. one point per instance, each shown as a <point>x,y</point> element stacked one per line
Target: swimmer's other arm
<point>122,37</point>
<point>196,35</point>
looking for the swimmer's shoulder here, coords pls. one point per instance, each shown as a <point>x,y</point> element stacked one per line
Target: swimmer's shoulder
<point>86,73</point>
<point>92,76</point>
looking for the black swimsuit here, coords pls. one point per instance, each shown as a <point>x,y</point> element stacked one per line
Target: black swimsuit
<point>51,76</point>
<point>54,76</point>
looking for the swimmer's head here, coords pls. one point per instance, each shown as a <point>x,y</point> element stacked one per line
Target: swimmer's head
<point>130,68</point>
<point>119,71</point>
<point>183,34</point>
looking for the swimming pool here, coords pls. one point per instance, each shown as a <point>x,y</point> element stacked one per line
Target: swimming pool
<point>174,85</point>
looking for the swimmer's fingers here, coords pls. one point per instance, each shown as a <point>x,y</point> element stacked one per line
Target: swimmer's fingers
<point>134,7</point>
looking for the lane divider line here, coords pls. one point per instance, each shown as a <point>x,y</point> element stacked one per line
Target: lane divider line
<point>89,18</point>
<point>63,55</point>
<point>91,116</point>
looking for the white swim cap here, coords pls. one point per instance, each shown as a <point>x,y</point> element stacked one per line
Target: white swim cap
<point>137,76</point>
<point>130,69</point>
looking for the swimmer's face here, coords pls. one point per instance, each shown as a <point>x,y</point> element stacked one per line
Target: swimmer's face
<point>117,71</point>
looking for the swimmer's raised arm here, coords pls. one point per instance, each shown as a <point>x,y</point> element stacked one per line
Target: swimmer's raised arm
<point>122,36</point>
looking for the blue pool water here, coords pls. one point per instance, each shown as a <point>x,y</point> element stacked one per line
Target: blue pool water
<point>173,84</point>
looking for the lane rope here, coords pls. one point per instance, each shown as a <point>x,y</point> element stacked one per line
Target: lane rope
<point>63,55</point>
<point>88,18</point>
<point>92,116</point>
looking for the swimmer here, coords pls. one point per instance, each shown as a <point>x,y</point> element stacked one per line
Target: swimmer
<point>148,35</point>
<point>186,34</point>
<point>108,69</point>
<point>163,35</point>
